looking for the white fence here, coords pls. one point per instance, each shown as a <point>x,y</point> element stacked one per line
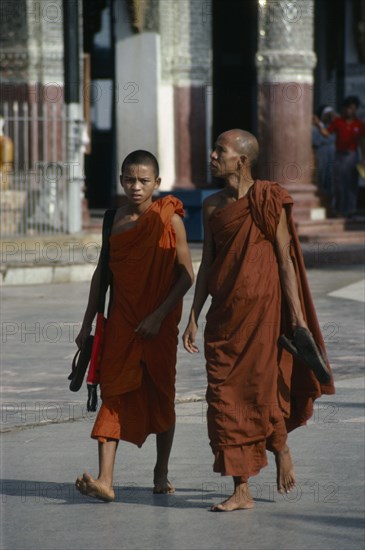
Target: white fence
<point>34,170</point>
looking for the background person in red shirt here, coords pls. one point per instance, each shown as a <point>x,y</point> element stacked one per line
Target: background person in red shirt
<point>350,135</point>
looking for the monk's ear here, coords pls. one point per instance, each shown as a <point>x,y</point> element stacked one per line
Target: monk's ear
<point>243,159</point>
<point>158,182</point>
<point>121,180</point>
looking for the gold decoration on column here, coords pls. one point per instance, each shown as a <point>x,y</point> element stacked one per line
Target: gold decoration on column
<point>138,9</point>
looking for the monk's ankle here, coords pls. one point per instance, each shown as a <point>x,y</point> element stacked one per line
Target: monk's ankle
<point>160,470</point>
<point>105,481</point>
<point>238,480</point>
<point>285,450</point>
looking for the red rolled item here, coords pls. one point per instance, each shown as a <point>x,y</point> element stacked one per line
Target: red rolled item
<point>93,376</point>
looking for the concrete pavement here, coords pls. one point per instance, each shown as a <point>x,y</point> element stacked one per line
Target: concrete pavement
<point>46,443</point>
<point>42,510</point>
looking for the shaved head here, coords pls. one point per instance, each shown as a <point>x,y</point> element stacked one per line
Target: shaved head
<point>243,143</point>
<point>141,157</point>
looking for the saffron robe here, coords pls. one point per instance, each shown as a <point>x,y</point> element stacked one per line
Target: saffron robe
<point>253,385</point>
<point>138,375</point>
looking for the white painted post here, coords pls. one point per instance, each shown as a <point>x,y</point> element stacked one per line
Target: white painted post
<point>74,172</point>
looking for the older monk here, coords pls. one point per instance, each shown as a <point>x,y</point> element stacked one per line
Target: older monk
<point>253,268</point>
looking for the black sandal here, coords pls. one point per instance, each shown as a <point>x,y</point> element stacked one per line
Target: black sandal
<point>80,363</point>
<point>303,347</point>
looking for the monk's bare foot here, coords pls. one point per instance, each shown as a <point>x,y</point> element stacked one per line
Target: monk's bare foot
<point>240,500</point>
<point>285,471</point>
<point>165,488</point>
<point>91,487</point>
<point>161,485</point>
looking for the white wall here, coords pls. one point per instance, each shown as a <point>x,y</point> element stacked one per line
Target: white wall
<point>137,61</point>
<point>166,136</point>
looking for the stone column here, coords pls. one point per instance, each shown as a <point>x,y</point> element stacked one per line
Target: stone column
<point>185,91</point>
<point>285,62</point>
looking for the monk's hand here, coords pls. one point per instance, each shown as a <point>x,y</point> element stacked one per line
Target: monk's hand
<point>81,337</point>
<point>298,321</point>
<point>150,326</point>
<point>189,337</point>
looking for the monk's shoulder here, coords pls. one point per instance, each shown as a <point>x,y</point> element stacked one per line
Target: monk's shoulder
<point>176,220</point>
<point>272,191</point>
<point>266,185</point>
<point>168,207</point>
<point>120,214</point>
<point>216,200</point>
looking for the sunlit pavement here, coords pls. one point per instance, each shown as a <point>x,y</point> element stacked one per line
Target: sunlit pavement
<point>47,443</point>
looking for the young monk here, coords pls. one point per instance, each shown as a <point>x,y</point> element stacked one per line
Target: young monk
<point>151,271</point>
<point>253,268</point>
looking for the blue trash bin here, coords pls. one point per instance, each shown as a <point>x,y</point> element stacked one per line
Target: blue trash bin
<point>192,201</point>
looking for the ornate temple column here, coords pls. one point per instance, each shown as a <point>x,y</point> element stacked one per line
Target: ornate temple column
<point>31,58</point>
<point>285,62</point>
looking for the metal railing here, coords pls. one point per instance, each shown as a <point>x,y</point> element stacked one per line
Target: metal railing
<point>34,182</point>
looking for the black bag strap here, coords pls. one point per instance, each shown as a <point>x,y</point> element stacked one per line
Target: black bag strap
<point>104,257</point>
<point>92,399</point>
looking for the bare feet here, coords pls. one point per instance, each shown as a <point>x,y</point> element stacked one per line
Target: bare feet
<point>94,488</point>
<point>285,471</point>
<point>162,485</point>
<point>164,488</point>
<point>240,500</point>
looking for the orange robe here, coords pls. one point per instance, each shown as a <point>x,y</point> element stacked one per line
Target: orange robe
<point>138,375</point>
<point>256,392</point>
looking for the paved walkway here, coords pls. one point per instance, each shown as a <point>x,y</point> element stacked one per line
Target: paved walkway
<point>46,443</point>
<point>42,510</point>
